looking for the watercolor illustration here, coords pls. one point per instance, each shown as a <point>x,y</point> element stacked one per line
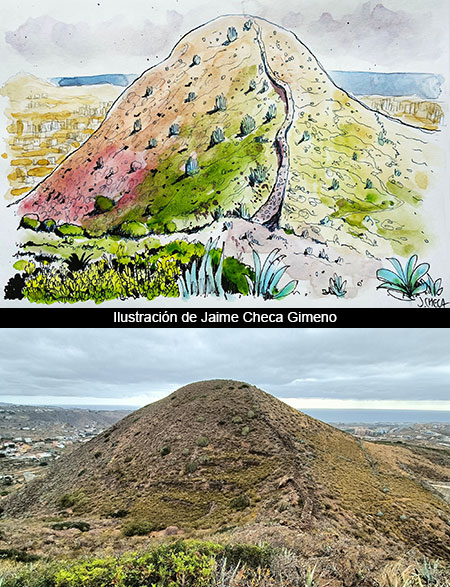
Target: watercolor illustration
<point>237,167</point>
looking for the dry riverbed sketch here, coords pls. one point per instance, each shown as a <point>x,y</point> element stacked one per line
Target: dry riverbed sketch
<point>237,167</point>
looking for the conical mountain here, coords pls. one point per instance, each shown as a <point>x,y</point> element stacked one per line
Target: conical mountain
<point>223,454</point>
<point>242,116</point>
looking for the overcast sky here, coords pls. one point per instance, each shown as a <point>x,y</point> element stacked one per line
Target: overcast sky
<point>53,38</point>
<point>310,368</point>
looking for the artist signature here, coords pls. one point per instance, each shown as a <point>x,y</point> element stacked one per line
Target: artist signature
<point>432,302</point>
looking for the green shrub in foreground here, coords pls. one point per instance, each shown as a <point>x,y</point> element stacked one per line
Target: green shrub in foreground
<point>186,562</point>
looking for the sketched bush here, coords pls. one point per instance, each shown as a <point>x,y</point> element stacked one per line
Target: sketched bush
<point>258,175</point>
<point>271,113</point>
<point>248,125</point>
<point>232,34</point>
<point>152,143</point>
<point>48,225</point>
<point>30,221</point>
<point>191,168</point>
<point>103,204</point>
<point>132,229</point>
<point>174,130</point>
<point>68,229</point>
<point>191,97</point>
<point>196,60</point>
<point>221,103</point>
<point>217,136</point>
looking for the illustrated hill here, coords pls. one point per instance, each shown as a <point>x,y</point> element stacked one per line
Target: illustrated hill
<point>242,117</point>
<point>221,455</point>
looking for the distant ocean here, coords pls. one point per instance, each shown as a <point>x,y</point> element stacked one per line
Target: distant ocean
<point>343,416</point>
<point>358,83</point>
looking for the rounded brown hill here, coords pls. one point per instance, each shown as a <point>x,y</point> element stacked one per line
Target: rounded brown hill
<point>220,454</point>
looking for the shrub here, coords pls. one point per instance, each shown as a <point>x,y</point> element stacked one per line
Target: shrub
<point>248,125</point>
<point>174,130</point>
<point>252,85</point>
<point>248,25</point>
<point>217,136</point>
<point>148,92</point>
<point>191,97</point>
<point>152,143</point>
<point>369,184</point>
<point>165,451</point>
<point>191,167</point>
<point>69,230</point>
<point>250,555</point>
<point>237,420</point>
<point>257,175</point>
<point>137,528</point>
<point>103,204</point>
<point>82,526</point>
<point>48,225</point>
<point>245,430</point>
<point>75,500</point>
<point>132,229</point>
<point>232,34</point>
<point>18,555</point>
<point>334,185</point>
<point>97,454</point>
<point>196,60</point>
<point>137,125</point>
<point>271,113</point>
<point>241,502</point>
<point>190,467</point>
<point>264,87</point>
<point>409,281</point>
<point>202,441</point>
<point>251,414</point>
<point>221,103</point>
<point>30,221</point>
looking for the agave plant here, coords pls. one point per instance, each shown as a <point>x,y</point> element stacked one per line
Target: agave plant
<point>434,287</point>
<point>409,281</point>
<point>268,276</point>
<point>77,263</point>
<point>201,280</point>
<point>336,286</point>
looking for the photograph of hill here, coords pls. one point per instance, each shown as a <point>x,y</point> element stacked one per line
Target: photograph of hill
<point>240,166</point>
<point>222,481</point>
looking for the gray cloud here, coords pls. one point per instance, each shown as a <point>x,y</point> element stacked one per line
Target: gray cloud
<point>371,33</point>
<point>355,364</point>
